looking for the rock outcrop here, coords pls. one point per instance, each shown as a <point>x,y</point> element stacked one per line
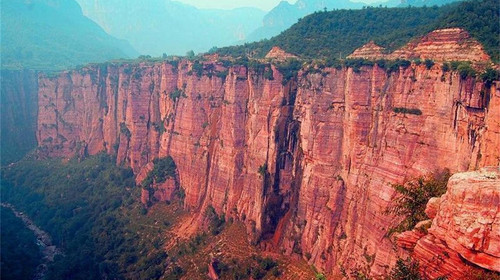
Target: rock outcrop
<point>279,54</point>
<point>439,45</point>
<point>369,51</point>
<point>466,226</point>
<point>307,165</point>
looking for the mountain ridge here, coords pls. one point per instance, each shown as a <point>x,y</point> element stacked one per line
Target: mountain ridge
<point>47,35</point>
<point>171,27</point>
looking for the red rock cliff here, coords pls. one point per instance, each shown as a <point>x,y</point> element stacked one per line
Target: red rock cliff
<point>331,143</point>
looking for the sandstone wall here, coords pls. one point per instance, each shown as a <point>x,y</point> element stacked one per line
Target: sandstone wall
<point>332,143</point>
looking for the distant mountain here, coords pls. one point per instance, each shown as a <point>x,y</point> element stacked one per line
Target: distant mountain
<point>162,26</point>
<point>428,3</point>
<point>285,15</point>
<point>54,34</point>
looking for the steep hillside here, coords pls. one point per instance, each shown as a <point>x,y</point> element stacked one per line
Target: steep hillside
<point>338,33</point>
<point>159,26</point>
<point>305,161</point>
<point>285,15</point>
<point>48,35</point>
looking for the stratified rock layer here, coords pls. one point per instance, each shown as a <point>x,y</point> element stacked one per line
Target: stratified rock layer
<point>307,166</point>
<point>439,45</point>
<point>278,53</point>
<point>368,51</point>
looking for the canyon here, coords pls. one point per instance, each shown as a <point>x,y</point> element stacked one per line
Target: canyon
<point>306,163</point>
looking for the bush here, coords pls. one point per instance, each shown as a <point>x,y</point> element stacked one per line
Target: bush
<point>289,69</point>
<point>412,198</point>
<point>406,270</point>
<point>395,65</point>
<point>268,74</point>
<point>429,63</point>
<point>489,76</point>
<point>222,74</point>
<point>413,111</point>
<point>124,130</point>
<point>176,94</point>
<point>320,276</point>
<point>267,263</point>
<point>446,67</point>
<point>357,63</point>
<point>197,68</point>
<point>465,70</point>
<point>215,223</point>
<point>163,169</point>
<point>263,170</point>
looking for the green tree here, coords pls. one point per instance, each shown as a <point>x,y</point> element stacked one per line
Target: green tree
<point>412,197</point>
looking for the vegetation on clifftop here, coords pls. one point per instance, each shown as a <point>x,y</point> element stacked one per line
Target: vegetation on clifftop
<point>338,33</point>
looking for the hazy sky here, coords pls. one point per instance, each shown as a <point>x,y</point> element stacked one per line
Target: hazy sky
<point>265,5</point>
<point>231,4</point>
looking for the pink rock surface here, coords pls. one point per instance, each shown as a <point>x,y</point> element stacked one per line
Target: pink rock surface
<point>432,207</point>
<point>467,225</point>
<point>332,143</point>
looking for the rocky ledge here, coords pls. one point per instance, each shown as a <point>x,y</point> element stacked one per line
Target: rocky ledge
<point>465,230</point>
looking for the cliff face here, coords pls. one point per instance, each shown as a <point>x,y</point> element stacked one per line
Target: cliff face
<point>19,113</point>
<point>307,166</point>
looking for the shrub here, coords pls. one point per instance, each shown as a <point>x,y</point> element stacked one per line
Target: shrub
<point>159,127</point>
<point>412,198</point>
<point>263,169</point>
<point>465,70</point>
<point>215,223</point>
<point>413,111</point>
<point>124,130</point>
<point>289,69</point>
<point>446,67</point>
<point>266,263</point>
<point>197,68</point>
<point>429,63</point>
<point>489,76</point>
<point>477,273</point>
<point>320,276</point>
<point>406,270</point>
<point>268,74</point>
<point>176,94</point>
<point>163,169</point>
<point>394,65</point>
<point>357,63</point>
<point>381,63</point>
<point>222,74</point>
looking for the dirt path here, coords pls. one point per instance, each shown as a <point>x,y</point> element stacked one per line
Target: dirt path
<point>44,241</point>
